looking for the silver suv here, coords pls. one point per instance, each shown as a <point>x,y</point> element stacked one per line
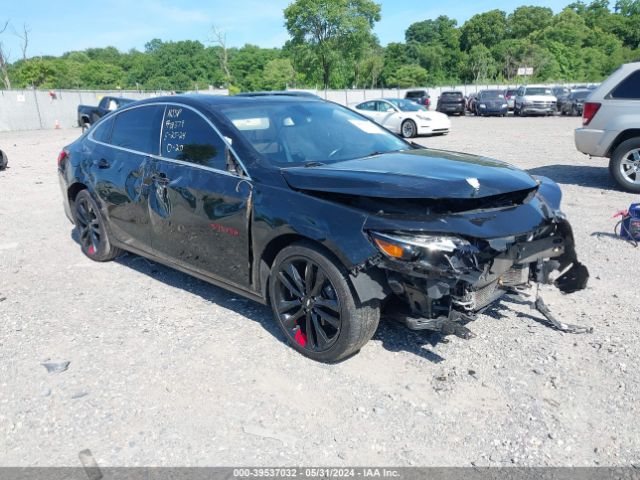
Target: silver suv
<point>611,125</point>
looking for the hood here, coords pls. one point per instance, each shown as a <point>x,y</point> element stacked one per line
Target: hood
<point>414,174</point>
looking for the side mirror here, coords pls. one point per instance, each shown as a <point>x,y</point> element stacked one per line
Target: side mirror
<point>231,164</point>
<point>391,109</point>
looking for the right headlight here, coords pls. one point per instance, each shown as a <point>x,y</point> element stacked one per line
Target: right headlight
<point>410,247</point>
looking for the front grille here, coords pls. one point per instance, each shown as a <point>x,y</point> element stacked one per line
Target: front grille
<point>484,296</point>
<point>541,104</point>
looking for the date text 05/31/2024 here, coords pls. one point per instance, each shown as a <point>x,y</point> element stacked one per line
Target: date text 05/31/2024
<point>315,473</point>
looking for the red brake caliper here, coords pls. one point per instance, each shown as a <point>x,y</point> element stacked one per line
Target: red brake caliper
<point>300,337</point>
<point>91,250</point>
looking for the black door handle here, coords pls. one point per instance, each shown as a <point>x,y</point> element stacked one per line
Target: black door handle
<point>103,163</point>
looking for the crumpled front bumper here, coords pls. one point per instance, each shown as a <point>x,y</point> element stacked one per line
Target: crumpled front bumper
<point>453,288</point>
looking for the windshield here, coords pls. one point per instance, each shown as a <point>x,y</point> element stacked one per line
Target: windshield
<point>298,133</point>
<point>538,91</point>
<point>492,94</point>
<point>406,105</point>
<point>580,95</point>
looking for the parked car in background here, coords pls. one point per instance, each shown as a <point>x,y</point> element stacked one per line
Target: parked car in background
<point>404,117</point>
<point>315,211</point>
<point>491,102</point>
<point>611,125</point>
<point>510,96</point>
<point>451,103</point>
<point>573,104</point>
<point>421,97</point>
<point>561,93</point>
<point>535,100</point>
<point>471,102</point>
<point>89,114</point>
<point>3,160</point>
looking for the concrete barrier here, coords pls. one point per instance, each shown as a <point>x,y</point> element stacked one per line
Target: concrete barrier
<point>38,109</point>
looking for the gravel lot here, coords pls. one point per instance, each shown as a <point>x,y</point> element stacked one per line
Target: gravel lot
<point>168,370</point>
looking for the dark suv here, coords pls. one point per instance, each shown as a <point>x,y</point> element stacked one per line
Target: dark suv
<point>421,97</point>
<point>315,210</point>
<point>451,103</point>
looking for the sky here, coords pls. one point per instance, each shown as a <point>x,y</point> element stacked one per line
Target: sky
<point>58,27</point>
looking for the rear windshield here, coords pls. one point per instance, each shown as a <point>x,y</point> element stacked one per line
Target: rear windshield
<point>452,95</point>
<point>416,94</point>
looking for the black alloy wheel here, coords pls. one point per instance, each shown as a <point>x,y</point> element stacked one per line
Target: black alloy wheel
<point>307,304</point>
<point>315,305</point>
<point>93,238</point>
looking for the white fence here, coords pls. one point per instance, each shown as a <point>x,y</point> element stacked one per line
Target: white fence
<point>38,109</point>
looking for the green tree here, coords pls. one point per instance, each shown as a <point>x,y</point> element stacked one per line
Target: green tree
<point>527,19</point>
<point>278,74</point>
<point>331,28</point>
<point>487,29</point>
<point>408,76</point>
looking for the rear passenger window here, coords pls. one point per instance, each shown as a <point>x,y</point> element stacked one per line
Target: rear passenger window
<point>102,131</point>
<point>629,88</point>
<point>138,129</point>
<point>186,136</point>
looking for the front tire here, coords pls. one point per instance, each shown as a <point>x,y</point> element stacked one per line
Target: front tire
<point>93,237</point>
<point>408,129</point>
<point>314,304</point>
<point>624,165</point>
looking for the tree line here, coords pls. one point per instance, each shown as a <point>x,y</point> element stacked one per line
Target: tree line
<point>332,45</point>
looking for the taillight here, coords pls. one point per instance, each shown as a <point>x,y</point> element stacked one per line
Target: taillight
<point>589,111</point>
<point>61,157</point>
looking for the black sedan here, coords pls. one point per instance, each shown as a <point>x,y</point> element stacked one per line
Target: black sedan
<point>491,102</point>
<point>316,210</point>
<point>573,104</point>
<point>451,103</point>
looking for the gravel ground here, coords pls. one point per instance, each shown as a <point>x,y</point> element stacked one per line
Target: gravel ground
<point>168,370</point>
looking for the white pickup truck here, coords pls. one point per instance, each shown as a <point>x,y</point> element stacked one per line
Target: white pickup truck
<point>535,100</point>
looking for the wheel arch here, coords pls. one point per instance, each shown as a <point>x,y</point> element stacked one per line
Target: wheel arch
<point>623,137</point>
<point>367,285</point>
<point>73,191</point>
<point>275,246</point>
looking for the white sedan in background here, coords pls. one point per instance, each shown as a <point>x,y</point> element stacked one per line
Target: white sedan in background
<point>404,117</point>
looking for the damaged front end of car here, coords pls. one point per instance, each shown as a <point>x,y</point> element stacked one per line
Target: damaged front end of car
<point>450,244</point>
<point>445,280</point>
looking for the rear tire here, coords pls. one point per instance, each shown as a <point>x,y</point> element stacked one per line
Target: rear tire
<point>624,165</point>
<point>314,304</point>
<point>93,236</point>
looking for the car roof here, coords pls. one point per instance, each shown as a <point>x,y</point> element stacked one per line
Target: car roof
<point>203,100</point>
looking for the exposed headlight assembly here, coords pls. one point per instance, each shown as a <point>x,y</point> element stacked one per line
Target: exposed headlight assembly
<point>412,247</point>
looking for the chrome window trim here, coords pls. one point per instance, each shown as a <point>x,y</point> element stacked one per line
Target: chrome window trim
<point>178,162</point>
